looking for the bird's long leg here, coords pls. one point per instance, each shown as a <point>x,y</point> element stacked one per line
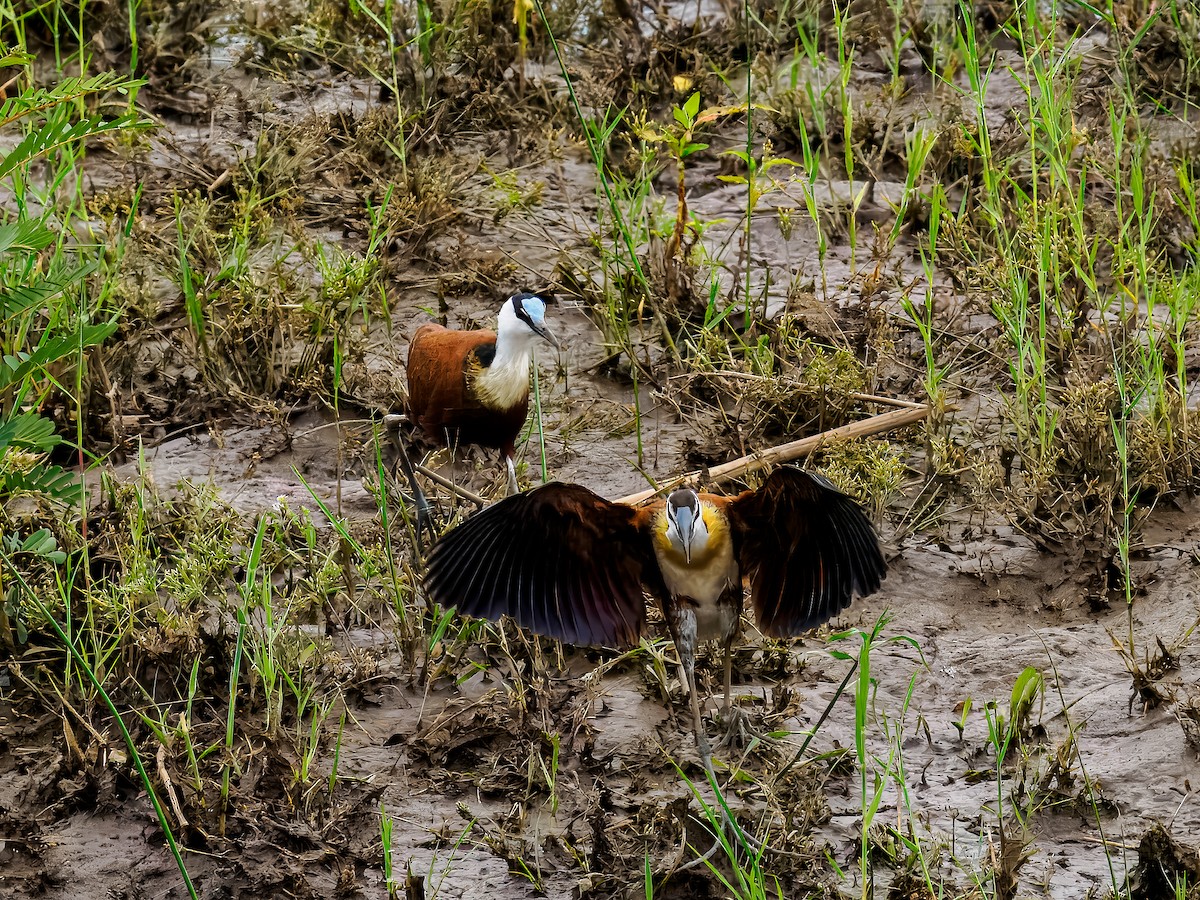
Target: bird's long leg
<point>738,730</point>
<point>727,646</point>
<point>424,512</point>
<point>737,727</point>
<point>682,621</point>
<point>512,475</point>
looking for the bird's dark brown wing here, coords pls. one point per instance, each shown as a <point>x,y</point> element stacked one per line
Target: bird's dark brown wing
<point>559,559</point>
<point>806,548</point>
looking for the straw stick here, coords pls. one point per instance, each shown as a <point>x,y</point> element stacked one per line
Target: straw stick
<point>888,421</point>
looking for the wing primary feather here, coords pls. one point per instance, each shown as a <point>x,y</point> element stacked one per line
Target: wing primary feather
<point>621,624</point>
<point>462,553</point>
<point>589,574</point>
<point>475,590</point>
<point>564,614</point>
<point>512,575</point>
<point>550,622</point>
<point>608,605</point>
<point>544,546</point>
<point>815,594</point>
<point>632,577</point>
<point>566,594</point>
<point>559,559</point>
<point>603,586</point>
<point>867,563</point>
<point>592,607</point>
<point>598,616</point>
<point>488,547</point>
<point>518,608</point>
<point>831,573</point>
<point>841,578</point>
<point>546,617</point>
<point>858,554</point>
<point>445,568</point>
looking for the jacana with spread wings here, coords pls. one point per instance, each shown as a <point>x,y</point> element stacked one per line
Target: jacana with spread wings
<point>567,563</point>
<point>472,387</point>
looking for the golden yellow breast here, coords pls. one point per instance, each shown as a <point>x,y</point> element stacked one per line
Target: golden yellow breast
<point>716,523</point>
<point>661,542</point>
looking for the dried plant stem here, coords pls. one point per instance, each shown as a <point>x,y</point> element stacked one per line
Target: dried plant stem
<point>888,421</point>
<point>450,485</point>
<point>887,401</point>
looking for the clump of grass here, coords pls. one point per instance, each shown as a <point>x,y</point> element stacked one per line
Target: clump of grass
<point>871,471</point>
<point>785,383</point>
<point>1066,277</point>
<point>458,65</point>
<point>1160,47</point>
<point>743,855</point>
<point>161,591</point>
<point>271,308</point>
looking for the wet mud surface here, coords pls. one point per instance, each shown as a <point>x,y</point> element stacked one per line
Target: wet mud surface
<point>457,757</point>
<point>446,760</point>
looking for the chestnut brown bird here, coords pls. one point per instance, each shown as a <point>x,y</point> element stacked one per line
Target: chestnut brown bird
<point>472,387</point>
<point>565,562</point>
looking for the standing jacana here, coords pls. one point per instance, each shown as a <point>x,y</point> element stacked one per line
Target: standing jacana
<point>567,563</point>
<point>472,387</point>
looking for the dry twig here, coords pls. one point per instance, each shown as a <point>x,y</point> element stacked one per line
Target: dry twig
<point>888,421</point>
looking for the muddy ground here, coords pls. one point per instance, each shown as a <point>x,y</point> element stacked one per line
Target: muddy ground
<point>457,754</point>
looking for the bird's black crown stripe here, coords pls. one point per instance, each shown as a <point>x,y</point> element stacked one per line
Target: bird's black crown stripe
<point>518,302</point>
<point>683,497</point>
<point>519,306</point>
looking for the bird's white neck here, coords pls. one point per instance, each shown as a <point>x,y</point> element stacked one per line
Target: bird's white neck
<point>505,383</point>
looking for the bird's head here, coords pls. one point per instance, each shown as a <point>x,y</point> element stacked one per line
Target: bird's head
<point>523,316</point>
<point>685,523</point>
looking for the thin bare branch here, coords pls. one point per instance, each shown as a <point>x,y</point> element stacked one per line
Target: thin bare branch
<point>774,456</point>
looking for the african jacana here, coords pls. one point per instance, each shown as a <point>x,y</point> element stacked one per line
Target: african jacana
<point>567,563</point>
<point>472,387</point>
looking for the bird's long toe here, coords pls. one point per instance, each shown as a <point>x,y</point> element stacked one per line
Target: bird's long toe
<point>739,731</point>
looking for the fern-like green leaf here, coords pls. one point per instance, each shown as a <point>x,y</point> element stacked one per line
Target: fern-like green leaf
<point>25,297</point>
<point>66,91</point>
<point>16,366</point>
<point>15,58</point>
<point>29,235</point>
<point>29,431</point>
<point>51,482</point>
<point>40,543</point>
<point>57,133</point>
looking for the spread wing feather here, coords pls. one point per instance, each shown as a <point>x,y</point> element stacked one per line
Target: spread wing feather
<point>806,548</point>
<point>462,580</point>
<point>559,559</point>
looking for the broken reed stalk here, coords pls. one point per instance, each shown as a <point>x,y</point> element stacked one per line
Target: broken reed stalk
<point>888,421</point>
<point>450,485</point>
